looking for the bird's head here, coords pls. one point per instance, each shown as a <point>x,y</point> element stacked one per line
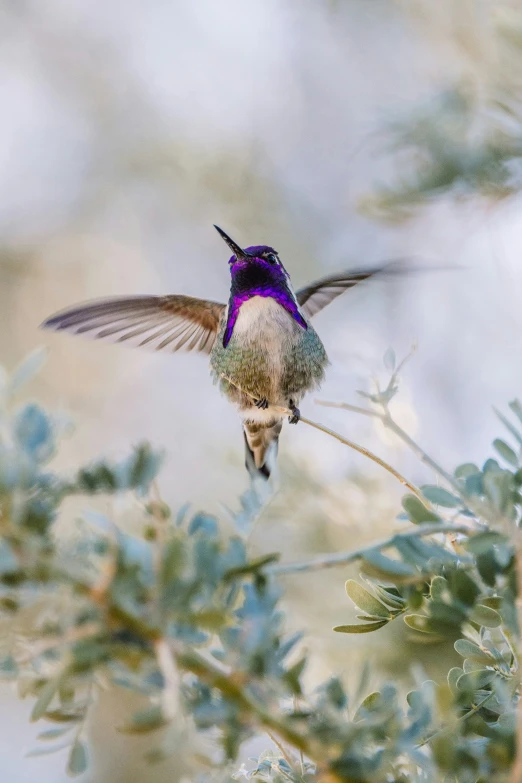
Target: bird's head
<point>257,271</point>
<point>255,268</point>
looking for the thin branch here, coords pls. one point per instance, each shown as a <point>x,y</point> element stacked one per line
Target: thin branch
<point>170,702</point>
<point>301,756</point>
<point>231,686</point>
<point>344,558</point>
<point>281,748</point>
<point>390,424</point>
<point>366,452</point>
<point>76,634</point>
<point>462,718</point>
<point>479,507</point>
<point>516,772</point>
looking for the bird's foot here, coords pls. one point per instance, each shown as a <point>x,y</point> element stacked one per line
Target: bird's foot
<point>262,404</point>
<point>296,414</point>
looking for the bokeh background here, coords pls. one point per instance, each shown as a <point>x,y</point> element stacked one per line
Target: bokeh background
<point>342,132</point>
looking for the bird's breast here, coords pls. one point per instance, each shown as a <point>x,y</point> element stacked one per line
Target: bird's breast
<point>269,353</point>
<point>264,321</point>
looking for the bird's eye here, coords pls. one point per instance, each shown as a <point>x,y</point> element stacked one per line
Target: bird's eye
<point>271,257</point>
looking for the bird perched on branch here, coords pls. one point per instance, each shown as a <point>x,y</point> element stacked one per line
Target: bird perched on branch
<point>264,351</point>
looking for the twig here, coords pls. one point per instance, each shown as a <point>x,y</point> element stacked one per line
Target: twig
<point>516,772</point>
<point>160,526</point>
<point>366,452</point>
<point>232,687</point>
<point>170,703</point>
<point>462,718</point>
<point>479,507</point>
<point>88,702</point>
<point>178,657</point>
<point>301,756</point>
<point>76,634</point>
<point>390,424</point>
<point>281,749</point>
<point>344,558</point>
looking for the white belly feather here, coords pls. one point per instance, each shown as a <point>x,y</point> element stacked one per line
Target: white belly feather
<point>264,323</point>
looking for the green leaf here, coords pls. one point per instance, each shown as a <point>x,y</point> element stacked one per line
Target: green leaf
<point>366,628</point>
<point>365,600</point>
<point>491,466</point>
<point>472,681</point>
<point>485,616</point>
<point>209,619</point>
<point>46,750</point>
<point>146,720</point>
<point>512,429</point>
<point>439,589</point>
<point>173,561</point>
<point>419,553</point>
<point>77,762</point>
<point>8,668</point>
<point>516,407</point>
<point>506,452</point>
<point>409,552</point>
<point>253,566</point>
<point>52,734</point>
<point>293,675</point>
<point>446,619</point>
<point>45,697</point>
<point>417,511</point>
<point>463,587</point>
<point>474,484</point>
<point>468,649</point>
<point>454,675</point>
<point>376,564</point>
<point>372,702</point>
<point>66,694</point>
<point>483,542</point>
<point>33,432</point>
<point>474,666</point>
<point>488,567</point>
<point>395,601</point>
<point>335,693</point>
<point>498,486</point>
<point>64,716</point>
<point>418,622</point>
<point>465,470</point>
<point>440,496</point>
<point>389,360</point>
<point>143,467</point>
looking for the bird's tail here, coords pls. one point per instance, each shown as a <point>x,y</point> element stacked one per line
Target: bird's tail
<point>261,440</point>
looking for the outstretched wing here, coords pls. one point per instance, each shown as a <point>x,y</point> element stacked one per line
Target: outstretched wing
<point>317,295</point>
<point>156,322</point>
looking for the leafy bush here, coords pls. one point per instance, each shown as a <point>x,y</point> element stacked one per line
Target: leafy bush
<point>466,140</point>
<point>185,616</point>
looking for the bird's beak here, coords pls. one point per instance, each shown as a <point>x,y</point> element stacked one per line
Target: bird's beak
<point>238,252</point>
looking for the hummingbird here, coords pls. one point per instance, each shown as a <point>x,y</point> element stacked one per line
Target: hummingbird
<point>264,352</point>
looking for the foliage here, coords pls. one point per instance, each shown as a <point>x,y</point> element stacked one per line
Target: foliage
<point>466,140</point>
<point>184,616</point>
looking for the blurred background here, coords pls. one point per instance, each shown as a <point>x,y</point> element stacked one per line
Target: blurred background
<point>342,132</point>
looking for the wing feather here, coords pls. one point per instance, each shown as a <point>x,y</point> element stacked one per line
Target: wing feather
<point>157,322</point>
<point>314,297</point>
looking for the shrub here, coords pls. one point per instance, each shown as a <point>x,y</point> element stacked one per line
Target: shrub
<point>185,616</point>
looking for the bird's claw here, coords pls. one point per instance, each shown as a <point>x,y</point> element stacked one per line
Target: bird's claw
<point>296,415</point>
<point>262,404</point>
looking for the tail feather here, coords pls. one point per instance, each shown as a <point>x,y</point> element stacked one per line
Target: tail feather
<point>261,443</point>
